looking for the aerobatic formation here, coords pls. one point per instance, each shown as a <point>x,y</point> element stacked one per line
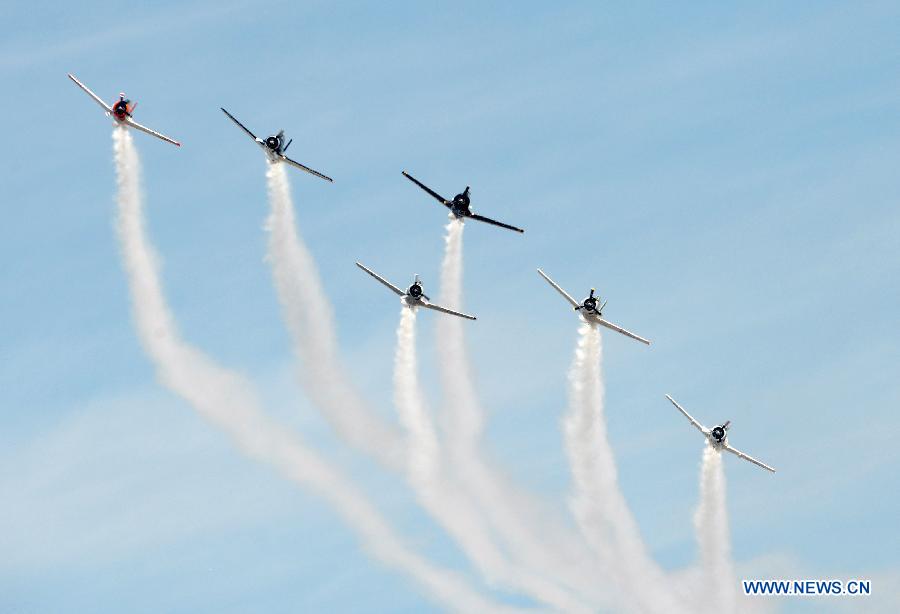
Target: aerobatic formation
<point>504,531</point>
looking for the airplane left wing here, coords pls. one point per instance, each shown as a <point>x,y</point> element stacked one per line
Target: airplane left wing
<point>696,424</point>
<point>240,125</point>
<point>488,220</point>
<point>433,194</point>
<point>306,168</point>
<point>619,329</point>
<point>88,91</point>
<point>445,310</point>
<point>747,457</point>
<point>158,135</point>
<point>381,279</point>
<point>559,289</point>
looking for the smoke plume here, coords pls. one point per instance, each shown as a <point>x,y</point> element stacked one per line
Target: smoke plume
<point>310,322</point>
<point>226,400</point>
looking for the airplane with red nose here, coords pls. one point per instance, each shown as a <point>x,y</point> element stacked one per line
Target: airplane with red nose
<point>121,111</point>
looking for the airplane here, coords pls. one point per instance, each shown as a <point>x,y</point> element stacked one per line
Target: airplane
<point>718,437</point>
<point>274,146</point>
<point>121,111</point>
<point>414,295</point>
<point>590,310</point>
<point>459,206</point>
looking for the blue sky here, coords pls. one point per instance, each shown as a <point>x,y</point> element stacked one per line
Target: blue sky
<point>727,176</point>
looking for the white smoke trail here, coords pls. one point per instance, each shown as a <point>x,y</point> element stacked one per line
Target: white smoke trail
<point>311,324</point>
<point>441,497</point>
<point>423,452</point>
<point>597,502</point>
<point>528,532</point>
<point>227,401</point>
<point>713,537</point>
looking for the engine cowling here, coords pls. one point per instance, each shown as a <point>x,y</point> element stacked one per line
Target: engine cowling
<point>272,143</point>
<point>590,304</point>
<point>415,290</point>
<point>718,433</point>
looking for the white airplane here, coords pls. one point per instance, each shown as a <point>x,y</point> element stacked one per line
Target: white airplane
<point>121,111</point>
<point>274,146</point>
<point>414,296</point>
<point>718,437</point>
<point>590,310</point>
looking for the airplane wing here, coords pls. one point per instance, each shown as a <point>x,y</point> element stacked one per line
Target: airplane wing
<point>565,294</point>
<point>87,90</point>
<point>746,457</point>
<point>381,279</point>
<point>305,168</point>
<point>158,135</point>
<point>488,220</point>
<point>696,424</point>
<point>445,310</point>
<point>240,125</point>
<point>434,194</point>
<point>619,329</point>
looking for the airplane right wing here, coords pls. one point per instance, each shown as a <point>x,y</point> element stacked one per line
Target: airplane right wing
<point>306,168</point>
<point>434,194</point>
<point>696,424</point>
<point>240,125</point>
<point>381,279</point>
<point>488,220</point>
<point>88,91</point>
<point>619,329</point>
<point>158,135</point>
<point>445,310</point>
<point>565,294</point>
<point>747,457</point>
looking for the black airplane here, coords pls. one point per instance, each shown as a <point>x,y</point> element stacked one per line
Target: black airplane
<point>459,206</point>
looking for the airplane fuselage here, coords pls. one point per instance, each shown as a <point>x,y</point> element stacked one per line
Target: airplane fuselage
<point>414,295</point>
<point>273,146</point>
<point>274,143</point>
<point>591,308</point>
<point>121,109</point>
<point>718,435</point>
<point>460,204</point>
